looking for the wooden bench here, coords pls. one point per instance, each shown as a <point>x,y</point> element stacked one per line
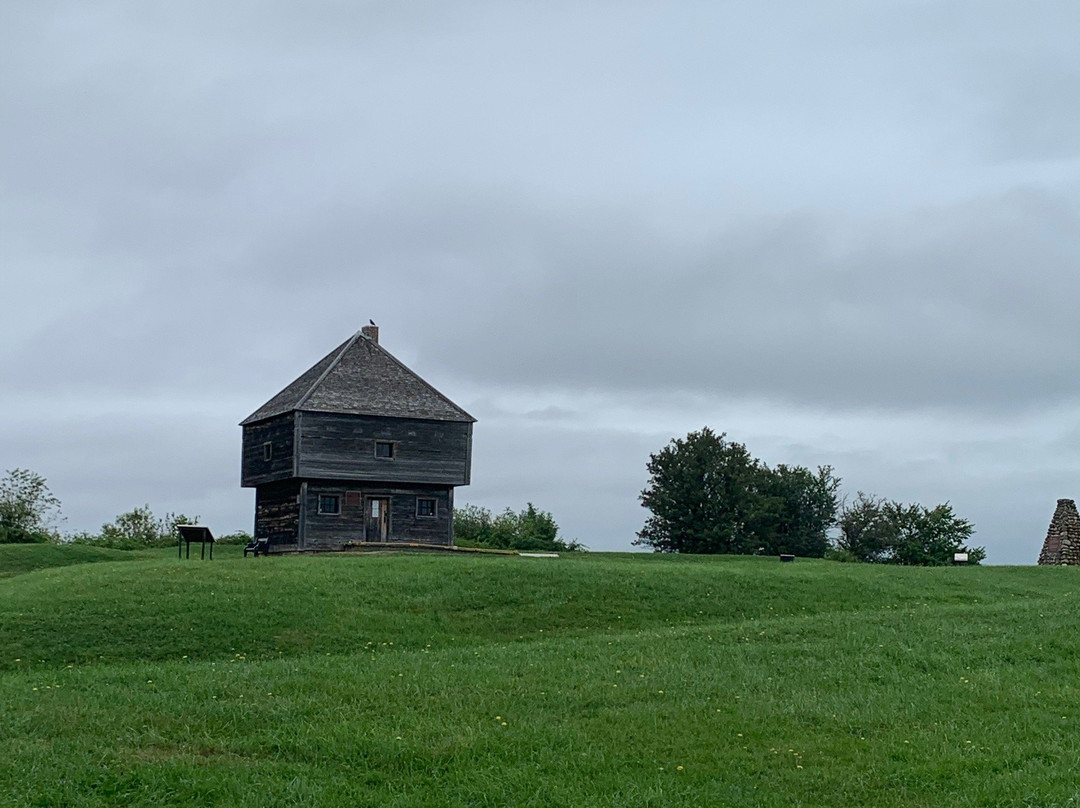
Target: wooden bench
<point>256,546</point>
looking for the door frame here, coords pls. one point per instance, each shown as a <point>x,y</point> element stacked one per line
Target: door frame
<point>384,517</point>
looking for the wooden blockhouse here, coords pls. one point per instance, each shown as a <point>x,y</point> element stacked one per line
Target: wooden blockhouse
<point>358,449</point>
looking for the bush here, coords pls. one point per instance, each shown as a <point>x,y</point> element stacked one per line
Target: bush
<point>236,537</point>
<point>843,556</point>
<point>884,532</point>
<point>531,529</point>
<point>136,530</point>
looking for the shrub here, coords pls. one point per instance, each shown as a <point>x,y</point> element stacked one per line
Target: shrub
<point>843,556</point>
<point>136,530</point>
<point>236,537</point>
<point>530,529</point>
<point>886,532</point>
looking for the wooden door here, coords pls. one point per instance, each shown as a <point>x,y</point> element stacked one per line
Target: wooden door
<point>377,522</point>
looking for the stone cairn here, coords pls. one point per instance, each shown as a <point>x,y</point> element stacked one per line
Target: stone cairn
<point>1062,545</point>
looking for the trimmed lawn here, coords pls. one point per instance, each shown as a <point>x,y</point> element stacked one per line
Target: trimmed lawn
<point>589,680</point>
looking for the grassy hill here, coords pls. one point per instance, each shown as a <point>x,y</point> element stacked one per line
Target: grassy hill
<point>15,559</point>
<point>591,680</point>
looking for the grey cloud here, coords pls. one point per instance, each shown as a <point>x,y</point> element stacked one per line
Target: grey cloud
<point>963,306</point>
<point>1037,117</point>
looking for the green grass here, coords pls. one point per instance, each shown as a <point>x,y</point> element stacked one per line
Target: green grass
<point>591,680</point>
<point>16,559</point>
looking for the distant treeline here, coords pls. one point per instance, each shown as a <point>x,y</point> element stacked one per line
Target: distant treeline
<point>710,495</point>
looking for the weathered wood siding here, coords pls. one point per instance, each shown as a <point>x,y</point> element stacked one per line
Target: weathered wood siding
<point>280,434</point>
<point>334,531</point>
<point>277,514</point>
<point>342,447</point>
<point>405,525</point>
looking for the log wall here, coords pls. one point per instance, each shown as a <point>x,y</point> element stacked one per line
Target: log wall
<point>342,447</point>
<point>334,531</point>
<point>279,432</point>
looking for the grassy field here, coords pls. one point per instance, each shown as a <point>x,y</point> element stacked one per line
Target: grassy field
<point>591,680</point>
<point>15,559</point>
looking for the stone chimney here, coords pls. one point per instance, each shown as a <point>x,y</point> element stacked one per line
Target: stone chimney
<point>371,332</point>
<point>1062,545</point>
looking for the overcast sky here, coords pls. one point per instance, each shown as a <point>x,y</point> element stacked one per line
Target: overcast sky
<point>845,233</point>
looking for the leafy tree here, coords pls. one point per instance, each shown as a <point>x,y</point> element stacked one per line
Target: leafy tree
<point>931,536</point>
<point>701,493</point>
<point>795,509</point>
<point>709,495</point>
<point>530,529</point>
<point>139,528</point>
<point>29,513</point>
<point>864,533</point>
<point>535,529</point>
<point>886,532</point>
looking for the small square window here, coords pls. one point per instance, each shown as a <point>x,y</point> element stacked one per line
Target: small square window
<point>425,507</point>
<point>268,451</point>
<point>384,449</point>
<point>329,503</point>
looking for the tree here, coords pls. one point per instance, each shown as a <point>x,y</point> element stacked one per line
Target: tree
<point>709,495</point>
<point>29,512</point>
<point>141,528</point>
<point>886,532</point>
<point>137,526</point>
<point>864,532</point>
<point>700,492</point>
<point>531,529</point>
<point>795,510</point>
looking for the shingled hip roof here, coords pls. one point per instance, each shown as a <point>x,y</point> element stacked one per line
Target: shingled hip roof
<point>360,377</point>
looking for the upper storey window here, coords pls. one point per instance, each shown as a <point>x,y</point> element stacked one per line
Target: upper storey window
<point>384,449</point>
